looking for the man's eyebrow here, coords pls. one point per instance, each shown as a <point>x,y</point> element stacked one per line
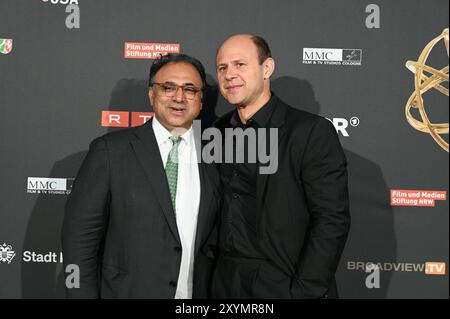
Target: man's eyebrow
<point>185,84</point>
<point>233,62</point>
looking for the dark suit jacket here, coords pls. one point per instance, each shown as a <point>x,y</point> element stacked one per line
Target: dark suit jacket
<point>120,228</point>
<point>303,214</point>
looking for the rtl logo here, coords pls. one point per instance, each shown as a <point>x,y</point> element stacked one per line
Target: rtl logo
<point>122,119</point>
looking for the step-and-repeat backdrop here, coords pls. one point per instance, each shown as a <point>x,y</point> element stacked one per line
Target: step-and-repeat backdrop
<point>73,70</point>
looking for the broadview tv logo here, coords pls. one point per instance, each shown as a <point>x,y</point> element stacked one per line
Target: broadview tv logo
<point>427,268</point>
<point>51,186</point>
<point>432,268</point>
<point>122,119</point>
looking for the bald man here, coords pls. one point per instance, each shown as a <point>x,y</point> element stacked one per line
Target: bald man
<point>281,235</point>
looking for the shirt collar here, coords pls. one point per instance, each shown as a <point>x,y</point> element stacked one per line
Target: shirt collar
<point>162,134</point>
<point>260,118</point>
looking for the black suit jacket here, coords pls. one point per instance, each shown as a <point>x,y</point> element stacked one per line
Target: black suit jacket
<point>120,228</point>
<point>303,218</point>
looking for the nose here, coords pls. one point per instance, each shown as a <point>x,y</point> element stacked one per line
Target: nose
<point>229,74</point>
<point>179,95</point>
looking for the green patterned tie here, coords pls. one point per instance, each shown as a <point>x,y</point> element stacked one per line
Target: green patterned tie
<point>172,168</point>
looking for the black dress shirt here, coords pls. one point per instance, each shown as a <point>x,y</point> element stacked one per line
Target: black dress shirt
<point>238,234</point>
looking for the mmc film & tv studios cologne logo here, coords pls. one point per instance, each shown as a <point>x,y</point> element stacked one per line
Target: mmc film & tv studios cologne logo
<point>49,186</point>
<point>322,56</point>
<point>425,79</point>
<point>6,46</point>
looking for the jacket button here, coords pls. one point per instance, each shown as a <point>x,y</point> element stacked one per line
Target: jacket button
<point>235,195</point>
<point>173,283</point>
<point>177,249</point>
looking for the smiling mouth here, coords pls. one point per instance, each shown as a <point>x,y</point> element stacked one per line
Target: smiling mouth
<point>233,88</point>
<point>177,110</point>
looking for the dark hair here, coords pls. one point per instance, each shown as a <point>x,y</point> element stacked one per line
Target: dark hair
<point>175,58</point>
<point>262,47</point>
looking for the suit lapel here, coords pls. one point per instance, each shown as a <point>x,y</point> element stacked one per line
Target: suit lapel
<point>147,152</point>
<point>277,120</point>
<point>206,199</point>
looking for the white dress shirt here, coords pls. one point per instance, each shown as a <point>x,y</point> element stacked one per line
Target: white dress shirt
<point>187,200</point>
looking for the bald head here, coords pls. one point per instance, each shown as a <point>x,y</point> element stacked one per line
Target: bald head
<point>244,69</point>
<point>260,45</point>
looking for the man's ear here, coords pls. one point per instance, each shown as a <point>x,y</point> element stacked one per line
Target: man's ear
<point>150,95</point>
<point>202,97</point>
<point>269,68</point>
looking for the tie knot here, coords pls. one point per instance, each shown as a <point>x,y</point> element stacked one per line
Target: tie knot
<point>175,140</point>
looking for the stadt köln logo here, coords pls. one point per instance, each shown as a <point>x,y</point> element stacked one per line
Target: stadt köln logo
<point>6,253</point>
<point>6,46</point>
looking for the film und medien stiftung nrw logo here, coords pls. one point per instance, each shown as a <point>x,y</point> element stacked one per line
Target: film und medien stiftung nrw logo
<point>6,253</point>
<point>321,56</point>
<point>51,186</point>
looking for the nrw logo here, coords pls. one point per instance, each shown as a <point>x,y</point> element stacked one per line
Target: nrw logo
<point>122,119</point>
<point>319,56</point>
<point>342,125</point>
<point>6,253</point>
<point>51,186</point>
<point>6,46</point>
